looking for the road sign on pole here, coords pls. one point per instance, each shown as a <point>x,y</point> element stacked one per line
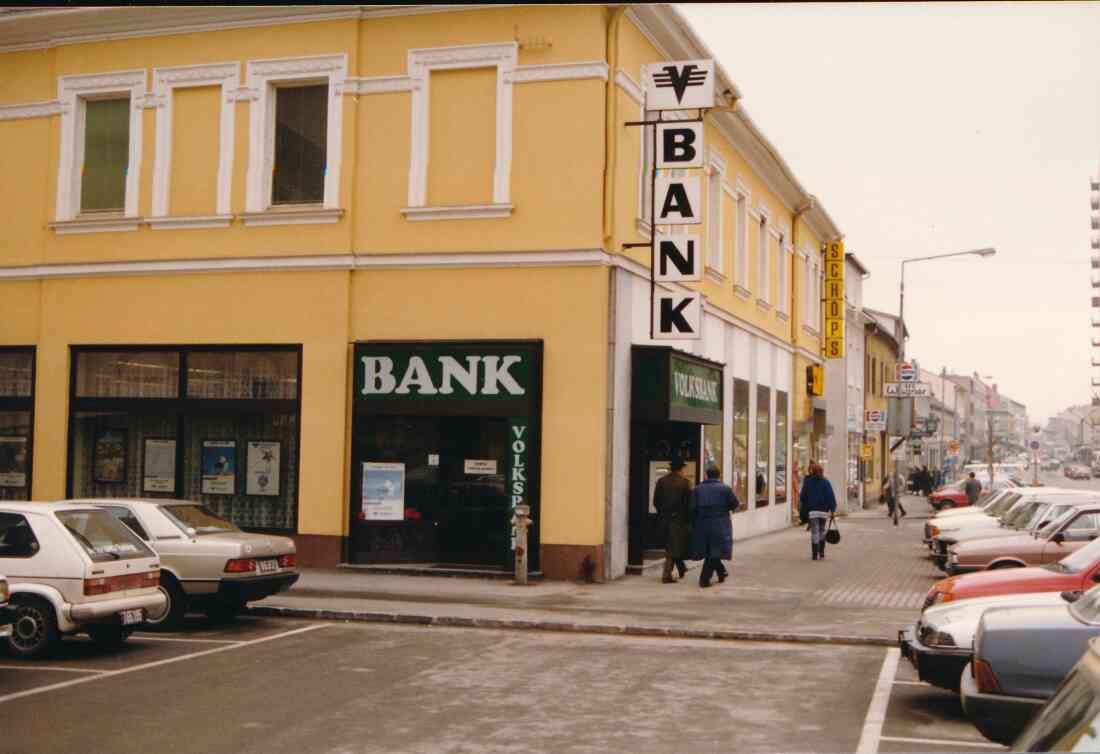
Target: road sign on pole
<point>908,390</point>
<point>905,372</point>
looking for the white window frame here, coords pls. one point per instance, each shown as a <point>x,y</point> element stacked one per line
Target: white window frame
<point>263,77</point>
<point>815,304</point>
<point>763,257</point>
<point>741,238</point>
<point>716,252</point>
<point>421,62</point>
<point>165,82</point>
<point>73,92</point>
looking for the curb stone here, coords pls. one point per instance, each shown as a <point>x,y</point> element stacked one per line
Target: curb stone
<point>453,621</point>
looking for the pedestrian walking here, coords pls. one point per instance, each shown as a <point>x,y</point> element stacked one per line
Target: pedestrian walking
<point>972,488</point>
<point>816,506</point>
<point>712,532</point>
<point>672,501</point>
<point>891,484</point>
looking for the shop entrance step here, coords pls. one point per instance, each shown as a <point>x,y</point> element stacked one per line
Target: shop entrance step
<point>457,570</point>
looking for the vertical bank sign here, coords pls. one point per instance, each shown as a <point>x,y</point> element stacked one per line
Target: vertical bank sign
<point>833,300</point>
<point>675,198</point>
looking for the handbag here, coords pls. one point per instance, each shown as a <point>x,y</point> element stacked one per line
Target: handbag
<point>832,534</point>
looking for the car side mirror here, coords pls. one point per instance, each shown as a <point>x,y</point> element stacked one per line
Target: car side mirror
<point>1058,538</point>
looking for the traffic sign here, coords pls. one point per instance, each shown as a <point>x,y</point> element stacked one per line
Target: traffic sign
<point>908,390</point>
<point>1034,444</point>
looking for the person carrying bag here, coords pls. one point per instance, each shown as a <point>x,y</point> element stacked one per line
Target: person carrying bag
<point>817,507</point>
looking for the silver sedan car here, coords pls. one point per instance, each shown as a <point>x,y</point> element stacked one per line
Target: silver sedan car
<point>207,563</point>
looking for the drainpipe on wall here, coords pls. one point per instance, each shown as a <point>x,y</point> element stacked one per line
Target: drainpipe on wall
<point>611,124</point>
<point>809,205</point>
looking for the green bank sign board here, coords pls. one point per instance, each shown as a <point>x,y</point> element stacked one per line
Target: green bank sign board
<point>694,386</point>
<point>441,372</point>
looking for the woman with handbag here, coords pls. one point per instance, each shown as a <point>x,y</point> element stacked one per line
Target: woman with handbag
<point>816,507</point>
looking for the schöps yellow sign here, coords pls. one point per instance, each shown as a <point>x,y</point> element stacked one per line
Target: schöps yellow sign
<point>834,299</point>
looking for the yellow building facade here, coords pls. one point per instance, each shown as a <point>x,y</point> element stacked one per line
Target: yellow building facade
<point>356,274</point>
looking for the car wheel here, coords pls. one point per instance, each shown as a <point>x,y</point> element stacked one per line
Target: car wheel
<point>223,612</point>
<point>173,613</point>
<point>34,630</point>
<point>996,566</point>
<point>109,637</point>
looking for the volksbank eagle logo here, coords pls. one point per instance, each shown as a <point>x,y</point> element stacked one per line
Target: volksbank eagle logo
<point>680,79</point>
<point>679,85</point>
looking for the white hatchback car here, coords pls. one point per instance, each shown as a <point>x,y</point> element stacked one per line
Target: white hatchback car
<point>74,568</point>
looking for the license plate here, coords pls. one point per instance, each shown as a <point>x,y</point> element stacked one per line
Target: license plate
<point>130,617</point>
<point>268,566</point>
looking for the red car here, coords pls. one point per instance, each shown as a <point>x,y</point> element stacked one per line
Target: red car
<point>953,496</point>
<point>1078,571</point>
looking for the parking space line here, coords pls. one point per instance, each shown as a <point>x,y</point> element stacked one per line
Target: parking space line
<point>157,663</point>
<point>53,668</point>
<point>941,742</point>
<point>143,637</point>
<point>880,700</point>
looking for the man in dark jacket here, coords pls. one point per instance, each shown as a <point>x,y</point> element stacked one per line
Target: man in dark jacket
<point>816,505</point>
<point>672,500</point>
<point>712,535</point>
<point>973,489</point>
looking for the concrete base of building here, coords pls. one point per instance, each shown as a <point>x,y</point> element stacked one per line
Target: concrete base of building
<point>572,562</point>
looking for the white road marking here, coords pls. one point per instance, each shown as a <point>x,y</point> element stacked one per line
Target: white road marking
<point>941,742</point>
<point>143,637</point>
<point>157,663</point>
<point>53,668</point>
<point>880,700</point>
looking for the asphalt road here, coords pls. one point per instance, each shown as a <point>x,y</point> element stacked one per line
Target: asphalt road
<point>273,686</point>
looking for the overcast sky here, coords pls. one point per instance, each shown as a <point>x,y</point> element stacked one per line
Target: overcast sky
<point>928,128</point>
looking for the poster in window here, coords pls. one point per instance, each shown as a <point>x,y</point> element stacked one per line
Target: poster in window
<point>159,465</point>
<point>109,456</point>
<point>13,461</point>
<point>383,491</point>
<point>263,468</point>
<point>219,467</point>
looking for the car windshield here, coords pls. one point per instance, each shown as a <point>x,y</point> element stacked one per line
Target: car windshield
<point>1078,561</point>
<point>197,517</point>
<point>102,536</point>
<point>1004,504</point>
<point>1069,721</point>
<point>1056,523</point>
<point>1020,514</point>
<point>1087,609</point>
<point>1041,512</point>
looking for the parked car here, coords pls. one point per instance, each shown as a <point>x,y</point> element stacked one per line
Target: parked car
<point>1077,571</point>
<point>1076,471</point>
<point>207,563</point>
<point>1050,464</point>
<point>979,519</point>
<point>941,643</point>
<point>73,568</point>
<point>1070,721</point>
<point>1021,655</point>
<point>1071,531</point>
<point>1030,514</point>
<point>7,612</point>
<point>954,496</point>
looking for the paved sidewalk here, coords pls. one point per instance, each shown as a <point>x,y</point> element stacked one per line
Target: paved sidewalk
<point>868,587</point>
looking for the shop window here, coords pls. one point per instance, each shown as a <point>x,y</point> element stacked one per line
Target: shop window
<point>16,422</point>
<point>242,374</point>
<point>712,447</point>
<point>763,444</point>
<point>127,374</point>
<point>780,447</point>
<point>229,440</point>
<point>106,155</point>
<point>301,131</point>
<point>739,456</point>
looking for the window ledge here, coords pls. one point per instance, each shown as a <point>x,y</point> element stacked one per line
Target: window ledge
<point>192,221</point>
<point>810,331</point>
<point>107,224</point>
<point>742,291</point>
<point>783,316</point>
<point>293,216</point>
<point>715,275</point>
<point>763,305</point>
<point>458,212</point>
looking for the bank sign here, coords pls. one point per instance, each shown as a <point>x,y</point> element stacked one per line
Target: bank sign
<point>443,372</point>
<point>694,385</point>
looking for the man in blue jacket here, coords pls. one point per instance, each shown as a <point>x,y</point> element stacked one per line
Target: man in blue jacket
<point>713,503</point>
<point>816,505</point>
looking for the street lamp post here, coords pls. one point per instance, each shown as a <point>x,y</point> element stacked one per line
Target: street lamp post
<point>899,327</point>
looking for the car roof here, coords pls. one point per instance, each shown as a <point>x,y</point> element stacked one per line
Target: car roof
<point>50,507</point>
